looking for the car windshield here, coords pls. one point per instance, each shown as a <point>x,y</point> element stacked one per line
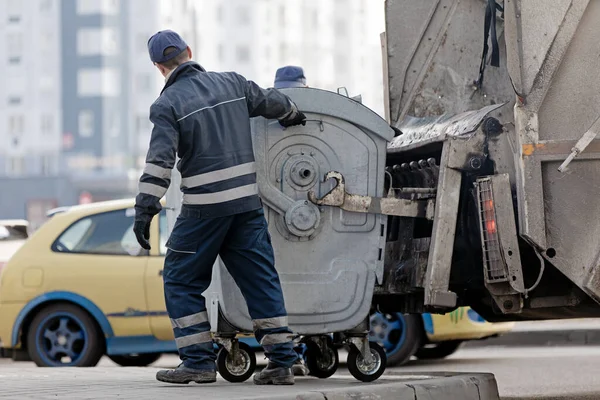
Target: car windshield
<point>13,233</point>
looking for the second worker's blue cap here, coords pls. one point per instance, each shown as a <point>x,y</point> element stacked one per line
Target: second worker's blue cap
<point>160,41</point>
<point>289,76</point>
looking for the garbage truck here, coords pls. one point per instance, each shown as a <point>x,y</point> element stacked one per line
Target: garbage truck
<point>480,187</point>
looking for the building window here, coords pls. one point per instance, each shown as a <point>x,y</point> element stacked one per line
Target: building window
<point>113,124</point>
<point>87,7</point>
<point>98,82</point>
<point>107,233</point>
<point>14,10</point>
<point>14,100</point>
<point>243,15</point>
<point>47,41</point>
<point>47,124</point>
<point>16,125</point>
<point>97,41</point>
<point>242,54</point>
<point>86,123</point>
<point>46,5</point>
<point>16,166</point>
<point>14,45</point>
<point>282,52</point>
<point>282,15</point>
<point>341,28</point>
<point>47,164</point>
<point>144,83</point>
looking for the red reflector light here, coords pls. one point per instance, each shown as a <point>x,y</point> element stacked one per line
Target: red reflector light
<point>490,226</point>
<point>488,205</point>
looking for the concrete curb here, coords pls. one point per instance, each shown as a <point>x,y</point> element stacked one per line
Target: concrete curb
<point>579,337</point>
<point>438,386</point>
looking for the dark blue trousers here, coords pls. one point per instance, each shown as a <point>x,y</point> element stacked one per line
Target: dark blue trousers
<point>244,244</point>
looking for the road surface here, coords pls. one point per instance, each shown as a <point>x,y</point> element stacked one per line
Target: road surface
<point>549,373</point>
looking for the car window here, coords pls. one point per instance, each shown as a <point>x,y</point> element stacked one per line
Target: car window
<point>10,232</point>
<point>163,229</point>
<point>106,233</point>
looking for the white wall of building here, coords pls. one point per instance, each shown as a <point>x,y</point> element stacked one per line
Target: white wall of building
<point>30,108</point>
<point>335,41</point>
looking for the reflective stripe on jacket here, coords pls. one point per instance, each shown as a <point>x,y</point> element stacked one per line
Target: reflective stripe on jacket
<point>204,118</point>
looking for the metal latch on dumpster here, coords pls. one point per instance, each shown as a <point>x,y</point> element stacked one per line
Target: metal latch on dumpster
<point>338,197</point>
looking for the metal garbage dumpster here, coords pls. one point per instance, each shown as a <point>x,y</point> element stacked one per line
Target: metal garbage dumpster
<point>329,260</point>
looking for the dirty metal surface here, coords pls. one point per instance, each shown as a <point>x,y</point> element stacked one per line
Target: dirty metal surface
<point>552,59</point>
<point>418,132</point>
<point>434,50</point>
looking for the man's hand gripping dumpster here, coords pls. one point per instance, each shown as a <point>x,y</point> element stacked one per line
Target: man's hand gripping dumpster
<point>204,118</point>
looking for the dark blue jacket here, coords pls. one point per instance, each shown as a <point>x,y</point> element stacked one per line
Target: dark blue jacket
<point>205,118</point>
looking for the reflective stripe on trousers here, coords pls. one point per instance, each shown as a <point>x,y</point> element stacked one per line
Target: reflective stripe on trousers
<point>195,338</point>
<point>243,242</point>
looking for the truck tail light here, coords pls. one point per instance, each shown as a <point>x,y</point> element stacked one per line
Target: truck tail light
<point>490,240</point>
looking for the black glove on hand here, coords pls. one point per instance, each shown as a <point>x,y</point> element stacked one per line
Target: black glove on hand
<point>294,117</point>
<point>298,119</point>
<point>141,228</point>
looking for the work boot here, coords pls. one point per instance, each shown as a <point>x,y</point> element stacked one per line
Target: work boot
<point>299,368</point>
<point>274,375</point>
<point>184,375</point>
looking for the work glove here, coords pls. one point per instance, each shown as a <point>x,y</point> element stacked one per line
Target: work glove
<point>141,229</point>
<point>295,117</point>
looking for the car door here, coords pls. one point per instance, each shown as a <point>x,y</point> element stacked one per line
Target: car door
<point>155,298</point>
<point>98,257</point>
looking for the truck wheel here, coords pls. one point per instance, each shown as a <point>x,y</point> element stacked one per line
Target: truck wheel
<point>436,351</point>
<point>399,334</point>
<point>136,360</point>
<point>367,372</point>
<point>63,335</point>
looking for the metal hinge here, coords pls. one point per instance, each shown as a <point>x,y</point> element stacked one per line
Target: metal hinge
<point>338,197</point>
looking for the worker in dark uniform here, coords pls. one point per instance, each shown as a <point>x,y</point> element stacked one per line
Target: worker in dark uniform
<point>204,118</point>
<point>291,76</point>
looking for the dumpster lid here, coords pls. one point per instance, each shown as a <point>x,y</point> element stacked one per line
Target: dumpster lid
<point>342,107</point>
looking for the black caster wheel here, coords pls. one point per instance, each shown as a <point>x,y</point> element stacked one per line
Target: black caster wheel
<point>367,372</point>
<point>239,368</point>
<point>322,364</point>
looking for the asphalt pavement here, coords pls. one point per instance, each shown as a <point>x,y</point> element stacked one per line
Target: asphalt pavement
<point>523,373</point>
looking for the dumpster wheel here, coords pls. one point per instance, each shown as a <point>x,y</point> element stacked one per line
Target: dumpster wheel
<point>322,363</point>
<point>367,372</point>
<point>239,366</point>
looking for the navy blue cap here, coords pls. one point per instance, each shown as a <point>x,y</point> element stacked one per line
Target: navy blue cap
<point>160,41</point>
<point>289,76</point>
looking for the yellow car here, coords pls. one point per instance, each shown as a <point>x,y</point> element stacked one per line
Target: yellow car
<point>429,336</point>
<point>81,287</point>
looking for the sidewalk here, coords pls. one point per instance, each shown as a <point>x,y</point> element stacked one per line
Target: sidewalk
<point>139,383</point>
<point>574,332</point>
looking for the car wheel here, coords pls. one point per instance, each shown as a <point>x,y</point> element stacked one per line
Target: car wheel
<point>136,360</point>
<point>398,334</point>
<point>64,335</point>
<point>436,351</point>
